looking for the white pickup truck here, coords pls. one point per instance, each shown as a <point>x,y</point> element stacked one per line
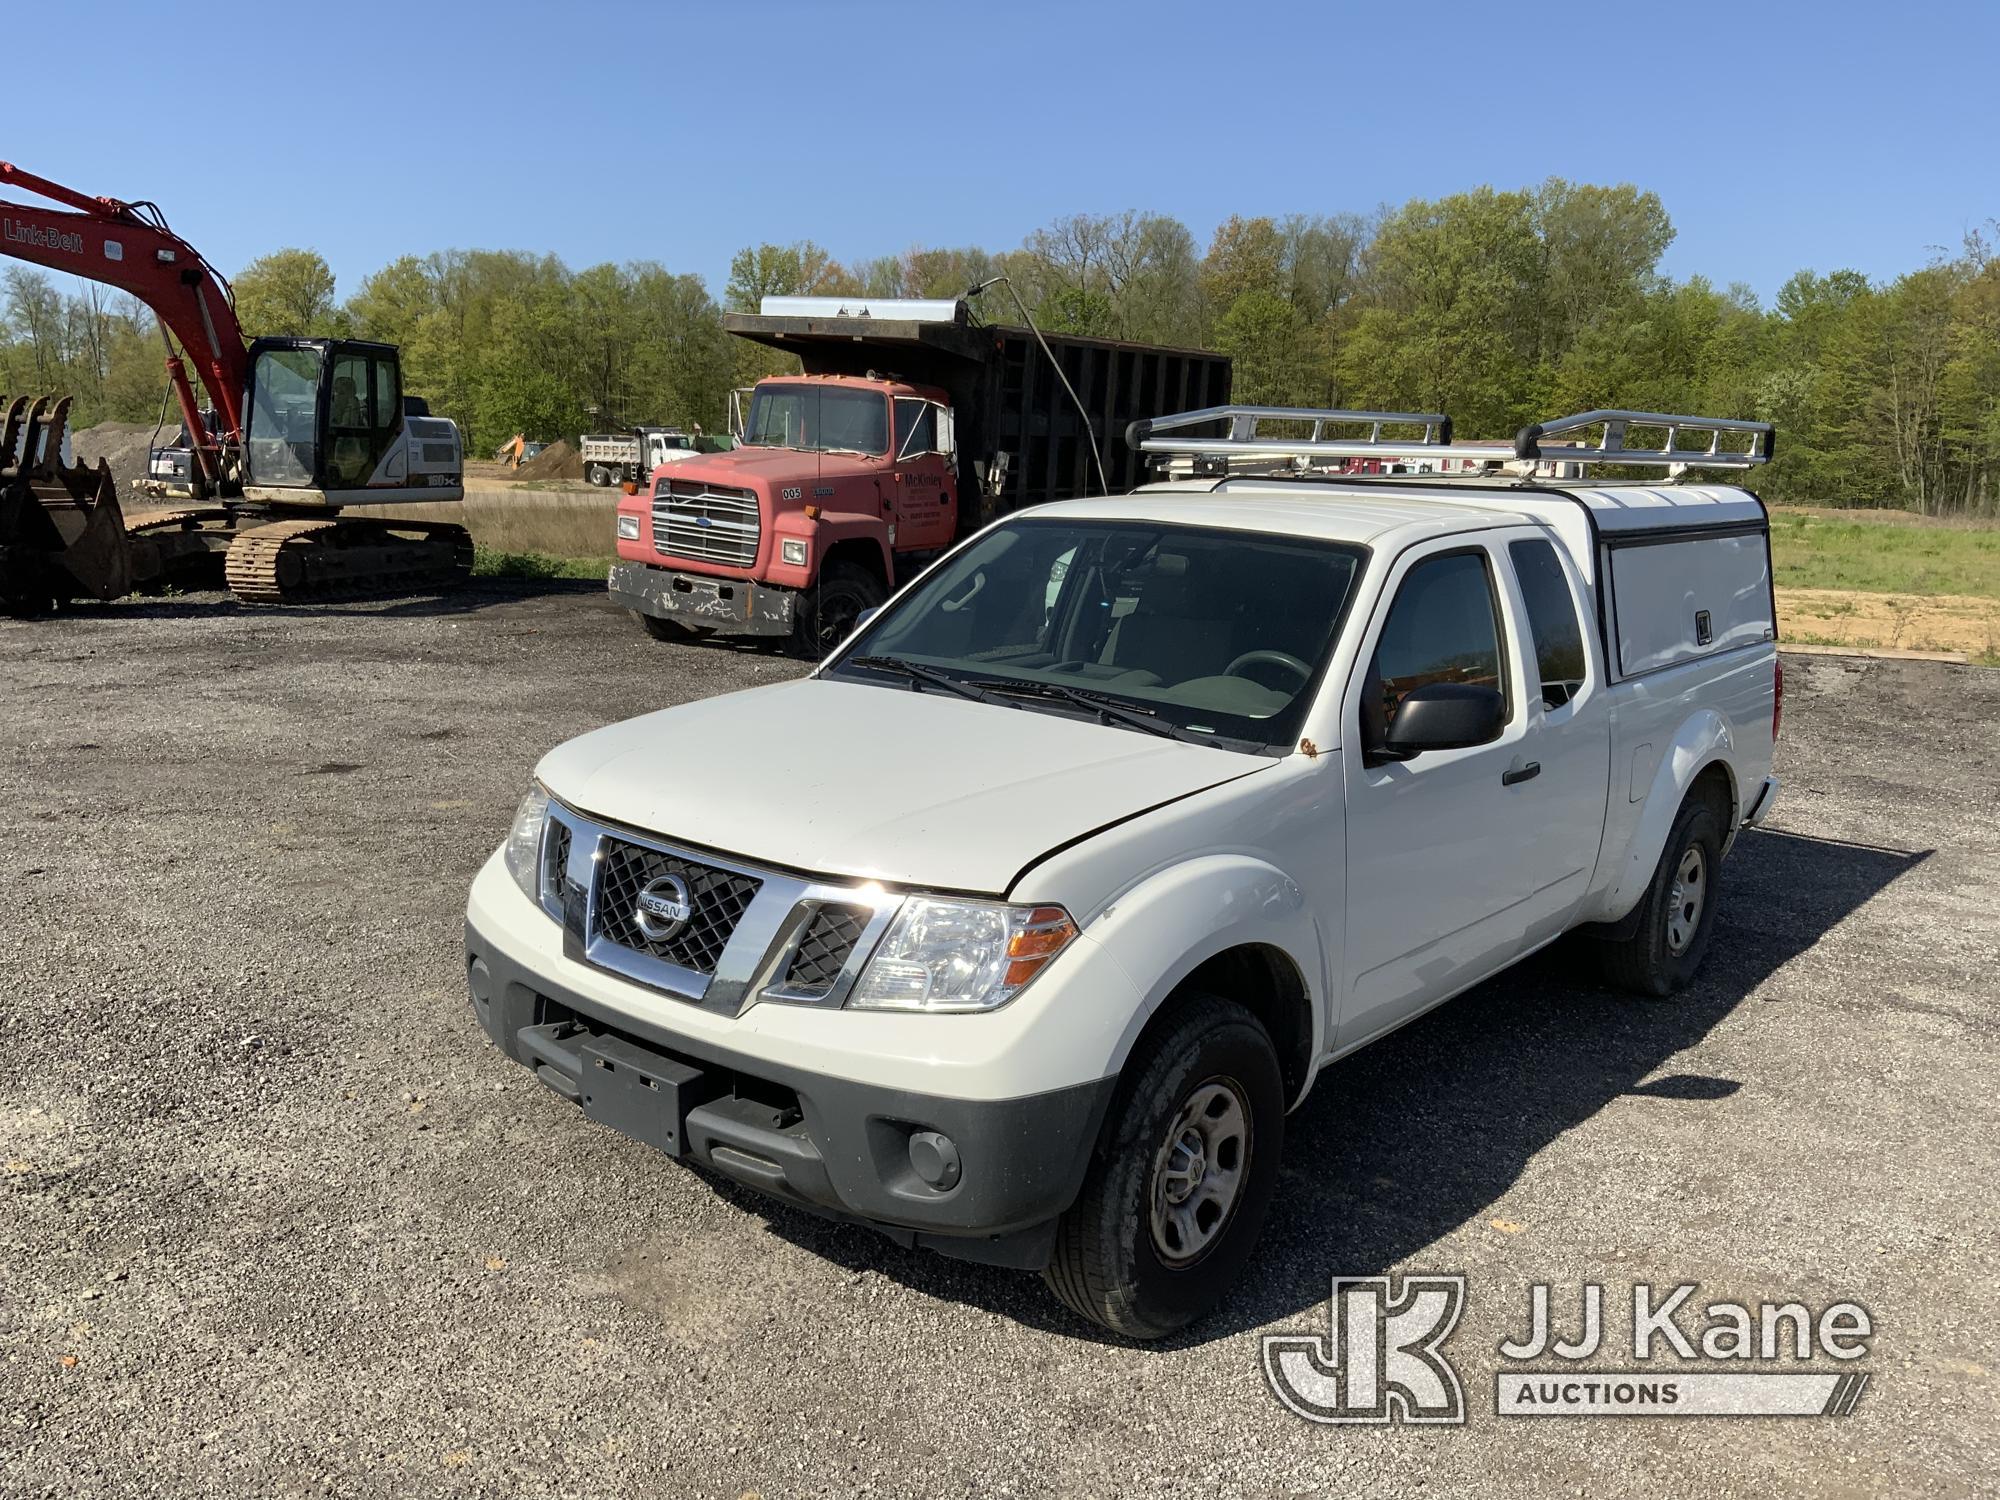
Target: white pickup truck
<point>1017,928</point>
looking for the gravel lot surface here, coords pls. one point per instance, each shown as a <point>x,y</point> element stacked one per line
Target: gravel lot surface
<point>276,1220</point>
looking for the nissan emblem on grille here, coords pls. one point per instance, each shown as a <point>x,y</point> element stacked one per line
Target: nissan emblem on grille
<point>662,907</point>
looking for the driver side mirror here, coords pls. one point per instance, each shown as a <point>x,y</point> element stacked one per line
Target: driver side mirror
<point>1444,716</point>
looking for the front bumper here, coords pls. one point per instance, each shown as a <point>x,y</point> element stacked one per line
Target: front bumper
<point>730,605</point>
<point>827,1144</point>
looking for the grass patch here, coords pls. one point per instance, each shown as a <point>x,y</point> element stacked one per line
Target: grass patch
<point>1893,553</point>
<point>488,562</point>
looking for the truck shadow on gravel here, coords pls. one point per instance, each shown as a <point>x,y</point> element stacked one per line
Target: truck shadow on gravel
<point>1427,1129</point>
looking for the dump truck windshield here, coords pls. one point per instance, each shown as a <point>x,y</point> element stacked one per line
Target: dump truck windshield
<point>818,419</point>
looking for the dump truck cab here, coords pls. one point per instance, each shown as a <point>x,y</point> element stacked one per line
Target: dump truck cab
<point>910,426</point>
<point>847,475</point>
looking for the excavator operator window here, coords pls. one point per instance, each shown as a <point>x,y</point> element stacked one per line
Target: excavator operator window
<point>283,439</point>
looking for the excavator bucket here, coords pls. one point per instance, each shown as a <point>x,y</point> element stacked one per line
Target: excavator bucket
<point>62,533</point>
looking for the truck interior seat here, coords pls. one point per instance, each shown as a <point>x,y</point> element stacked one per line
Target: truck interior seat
<point>1179,628</point>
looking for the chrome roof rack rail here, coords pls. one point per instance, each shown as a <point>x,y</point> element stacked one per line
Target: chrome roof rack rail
<point>1235,440</point>
<point>1239,444</point>
<point>1757,441</point>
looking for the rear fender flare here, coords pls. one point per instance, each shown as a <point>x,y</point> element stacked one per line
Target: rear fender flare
<point>1702,741</point>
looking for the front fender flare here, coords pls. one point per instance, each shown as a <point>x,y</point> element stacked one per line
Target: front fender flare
<point>1172,922</point>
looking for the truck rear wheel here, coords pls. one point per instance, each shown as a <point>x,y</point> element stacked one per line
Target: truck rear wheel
<point>1182,1176</point>
<point>597,474</point>
<point>1677,913</point>
<point>828,612</point>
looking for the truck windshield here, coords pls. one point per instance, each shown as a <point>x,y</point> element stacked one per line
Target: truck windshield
<point>818,419</point>
<point>1208,633</point>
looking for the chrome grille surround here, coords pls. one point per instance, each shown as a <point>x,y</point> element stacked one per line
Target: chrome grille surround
<point>706,523</point>
<point>772,935</point>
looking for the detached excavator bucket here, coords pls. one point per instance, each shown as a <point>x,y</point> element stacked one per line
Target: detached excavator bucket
<point>62,532</point>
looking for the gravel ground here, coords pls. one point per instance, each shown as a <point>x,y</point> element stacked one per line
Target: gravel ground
<point>275,1219</point>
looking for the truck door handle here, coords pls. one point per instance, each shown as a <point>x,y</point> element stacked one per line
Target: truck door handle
<point>1518,773</point>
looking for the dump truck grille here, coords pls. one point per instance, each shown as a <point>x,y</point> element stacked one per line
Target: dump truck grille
<point>823,952</point>
<point>705,523</point>
<point>715,900</point>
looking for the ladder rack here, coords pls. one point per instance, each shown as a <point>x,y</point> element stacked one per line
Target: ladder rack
<point>1241,444</point>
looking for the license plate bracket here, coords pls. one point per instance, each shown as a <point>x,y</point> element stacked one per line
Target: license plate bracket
<point>642,1093</point>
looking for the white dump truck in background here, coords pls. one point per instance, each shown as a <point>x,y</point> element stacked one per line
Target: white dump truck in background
<point>1016,929</point>
<point>629,457</point>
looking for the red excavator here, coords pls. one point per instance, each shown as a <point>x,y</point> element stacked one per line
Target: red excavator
<point>298,430</point>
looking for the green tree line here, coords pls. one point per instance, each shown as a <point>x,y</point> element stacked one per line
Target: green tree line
<point>1499,307</point>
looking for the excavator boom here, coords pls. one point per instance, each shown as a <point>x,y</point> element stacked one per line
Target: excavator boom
<point>129,246</point>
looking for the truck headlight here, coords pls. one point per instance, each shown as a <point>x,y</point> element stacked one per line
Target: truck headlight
<point>524,843</point>
<point>949,955</point>
<point>793,550</point>
<point>628,528</point>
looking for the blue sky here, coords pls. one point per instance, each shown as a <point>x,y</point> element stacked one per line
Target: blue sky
<point>1779,136</point>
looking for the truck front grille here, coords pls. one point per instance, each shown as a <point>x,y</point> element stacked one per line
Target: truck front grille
<point>824,949</point>
<point>706,523</point>
<point>717,900</point>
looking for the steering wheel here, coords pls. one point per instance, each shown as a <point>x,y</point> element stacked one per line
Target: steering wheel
<point>1283,659</point>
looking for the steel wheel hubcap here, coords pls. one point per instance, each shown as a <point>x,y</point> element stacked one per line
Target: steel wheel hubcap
<point>1685,900</point>
<point>1199,1171</point>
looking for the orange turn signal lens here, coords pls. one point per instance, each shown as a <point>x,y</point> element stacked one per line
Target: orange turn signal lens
<point>1046,934</point>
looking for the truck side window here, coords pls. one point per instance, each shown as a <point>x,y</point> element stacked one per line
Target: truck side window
<point>1443,627</point>
<point>916,427</point>
<point>1552,621</point>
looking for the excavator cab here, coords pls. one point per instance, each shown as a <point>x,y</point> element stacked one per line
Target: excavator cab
<point>327,424</point>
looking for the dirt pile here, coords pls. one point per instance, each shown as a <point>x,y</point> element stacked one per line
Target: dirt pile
<point>123,445</point>
<point>559,460</point>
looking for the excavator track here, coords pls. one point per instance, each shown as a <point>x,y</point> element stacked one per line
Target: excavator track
<point>332,557</point>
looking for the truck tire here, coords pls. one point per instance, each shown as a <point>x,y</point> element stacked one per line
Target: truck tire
<point>1677,913</point>
<point>597,474</point>
<point>828,611</point>
<point>1181,1178</point>
<point>669,630</point>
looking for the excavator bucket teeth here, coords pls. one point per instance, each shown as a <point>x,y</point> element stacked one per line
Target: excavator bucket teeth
<point>61,530</point>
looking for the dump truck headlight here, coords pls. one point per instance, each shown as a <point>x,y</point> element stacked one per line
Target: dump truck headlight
<point>949,955</point>
<point>628,528</point>
<point>524,842</point>
<point>793,549</point>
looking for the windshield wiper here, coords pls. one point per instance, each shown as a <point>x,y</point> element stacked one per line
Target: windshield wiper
<point>914,674</point>
<point>1101,703</point>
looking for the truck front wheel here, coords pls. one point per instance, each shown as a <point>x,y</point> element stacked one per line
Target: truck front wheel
<point>1182,1176</point>
<point>1677,913</point>
<point>829,611</point>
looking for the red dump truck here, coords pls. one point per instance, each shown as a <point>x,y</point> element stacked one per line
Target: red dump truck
<point>910,427</point>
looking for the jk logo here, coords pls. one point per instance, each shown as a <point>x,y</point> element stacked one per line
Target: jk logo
<point>1382,1360</point>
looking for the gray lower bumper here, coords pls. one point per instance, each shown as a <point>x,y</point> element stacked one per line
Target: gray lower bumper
<point>826,1144</point>
<point>729,605</point>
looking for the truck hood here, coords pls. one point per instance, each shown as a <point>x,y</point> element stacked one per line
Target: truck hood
<point>745,466</point>
<point>877,783</point>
